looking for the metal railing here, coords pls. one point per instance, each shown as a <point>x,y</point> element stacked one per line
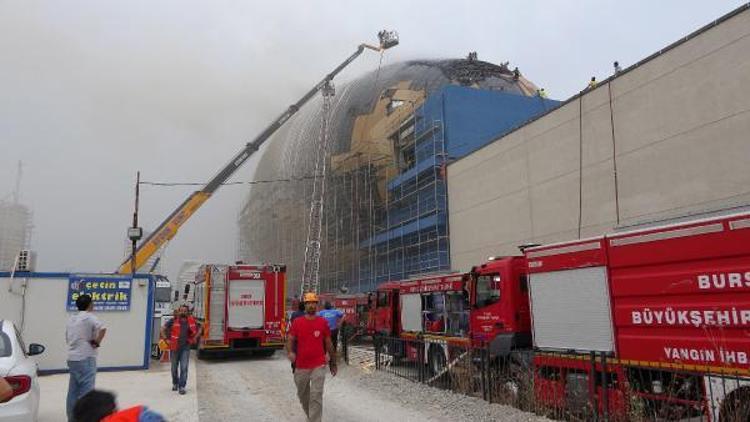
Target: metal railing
<point>561,385</point>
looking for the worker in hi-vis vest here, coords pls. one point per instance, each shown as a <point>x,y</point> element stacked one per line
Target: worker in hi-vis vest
<point>181,332</point>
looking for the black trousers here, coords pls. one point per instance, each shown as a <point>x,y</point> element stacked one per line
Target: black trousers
<point>335,339</point>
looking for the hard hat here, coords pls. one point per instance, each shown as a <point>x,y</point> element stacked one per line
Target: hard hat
<point>310,297</point>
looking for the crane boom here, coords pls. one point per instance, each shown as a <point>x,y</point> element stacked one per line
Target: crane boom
<point>169,227</point>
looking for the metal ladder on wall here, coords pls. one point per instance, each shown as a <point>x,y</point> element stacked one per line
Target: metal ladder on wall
<point>311,268</point>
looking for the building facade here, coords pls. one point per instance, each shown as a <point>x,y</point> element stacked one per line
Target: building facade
<point>15,232</point>
<point>665,139</point>
<point>390,133</point>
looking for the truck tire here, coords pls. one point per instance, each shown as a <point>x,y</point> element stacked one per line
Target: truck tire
<point>736,407</point>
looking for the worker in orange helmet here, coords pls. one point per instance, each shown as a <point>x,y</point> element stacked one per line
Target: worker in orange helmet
<point>308,346</point>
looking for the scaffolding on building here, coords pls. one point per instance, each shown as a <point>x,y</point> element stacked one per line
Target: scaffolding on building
<point>410,237</point>
<point>383,216</point>
<point>387,216</point>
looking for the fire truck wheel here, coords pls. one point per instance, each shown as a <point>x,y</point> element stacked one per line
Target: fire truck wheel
<point>736,407</point>
<point>436,359</point>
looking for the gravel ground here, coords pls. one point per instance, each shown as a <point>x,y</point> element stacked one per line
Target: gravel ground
<point>261,389</point>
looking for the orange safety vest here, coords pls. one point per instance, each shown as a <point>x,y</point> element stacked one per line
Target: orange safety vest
<point>127,415</point>
<point>174,335</point>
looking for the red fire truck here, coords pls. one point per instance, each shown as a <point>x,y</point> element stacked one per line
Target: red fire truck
<point>241,308</point>
<point>488,305</point>
<point>668,307</point>
<point>354,307</point>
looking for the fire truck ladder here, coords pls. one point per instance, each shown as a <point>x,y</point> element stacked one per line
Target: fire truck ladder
<point>311,266</point>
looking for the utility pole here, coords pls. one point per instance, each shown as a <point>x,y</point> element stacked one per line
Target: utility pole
<point>135,233</point>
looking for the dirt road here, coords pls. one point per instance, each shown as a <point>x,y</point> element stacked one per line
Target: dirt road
<point>261,389</point>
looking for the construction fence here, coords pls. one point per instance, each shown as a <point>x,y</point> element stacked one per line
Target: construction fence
<point>562,385</point>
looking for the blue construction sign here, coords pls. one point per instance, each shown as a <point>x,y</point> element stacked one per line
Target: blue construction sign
<point>110,293</point>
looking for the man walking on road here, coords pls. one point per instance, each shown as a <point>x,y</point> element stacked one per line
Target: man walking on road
<point>308,343</point>
<point>181,332</point>
<point>300,312</point>
<point>332,316</point>
<point>84,333</point>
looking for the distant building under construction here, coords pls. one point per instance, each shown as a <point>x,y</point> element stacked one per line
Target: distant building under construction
<point>391,135</point>
<point>15,232</point>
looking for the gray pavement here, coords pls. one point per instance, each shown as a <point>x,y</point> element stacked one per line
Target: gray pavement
<point>152,388</point>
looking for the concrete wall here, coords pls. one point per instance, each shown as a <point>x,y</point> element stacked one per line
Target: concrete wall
<point>45,317</point>
<point>680,146</point>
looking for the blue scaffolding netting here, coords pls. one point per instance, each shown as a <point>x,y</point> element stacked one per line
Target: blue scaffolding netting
<point>412,235</point>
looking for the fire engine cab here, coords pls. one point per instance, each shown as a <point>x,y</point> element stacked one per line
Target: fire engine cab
<point>487,306</point>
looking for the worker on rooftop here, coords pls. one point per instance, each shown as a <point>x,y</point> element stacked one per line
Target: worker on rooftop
<point>541,93</point>
<point>617,67</point>
<point>308,344</point>
<point>516,74</point>
<point>592,83</point>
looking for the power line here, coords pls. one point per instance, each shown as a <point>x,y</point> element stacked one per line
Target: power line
<point>250,182</point>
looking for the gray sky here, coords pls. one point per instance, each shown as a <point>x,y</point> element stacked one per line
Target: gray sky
<point>93,91</point>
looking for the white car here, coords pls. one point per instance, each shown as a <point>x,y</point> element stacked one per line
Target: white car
<point>20,371</point>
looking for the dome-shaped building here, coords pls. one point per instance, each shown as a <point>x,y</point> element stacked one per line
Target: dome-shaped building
<point>390,133</point>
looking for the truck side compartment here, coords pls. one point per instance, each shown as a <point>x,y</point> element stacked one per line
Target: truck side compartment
<point>668,309</point>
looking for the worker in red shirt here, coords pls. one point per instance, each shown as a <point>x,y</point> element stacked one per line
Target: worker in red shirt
<point>308,347</point>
